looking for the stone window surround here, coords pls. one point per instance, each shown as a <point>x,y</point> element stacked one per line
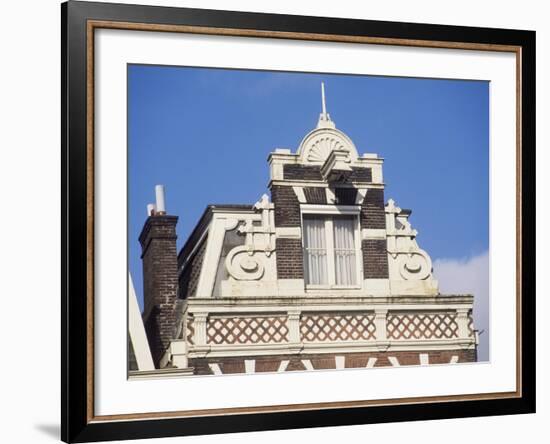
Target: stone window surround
<point>342,210</point>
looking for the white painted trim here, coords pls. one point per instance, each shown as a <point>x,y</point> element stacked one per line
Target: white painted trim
<point>360,197</point>
<point>283,365</point>
<point>288,232</point>
<point>329,242</point>
<point>394,361</point>
<point>136,330</point>
<point>371,362</point>
<point>307,364</point>
<point>340,362</point>
<point>424,358</point>
<point>373,233</point>
<point>210,260</point>
<point>250,366</point>
<point>454,359</point>
<point>300,195</point>
<point>340,347</point>
<point>215,368</point>
<point>330,209</point>
<point>309,183</point>
<point>164,373</point>
<point>317,302</point>
<point>330,195</point>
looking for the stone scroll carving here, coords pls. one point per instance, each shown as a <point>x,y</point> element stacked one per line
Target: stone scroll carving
<point>247,262</point>
<point>407,260</point>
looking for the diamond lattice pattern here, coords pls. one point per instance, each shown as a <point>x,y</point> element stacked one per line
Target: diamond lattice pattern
<point>331,327</point>
<point>422,326</point>
<point>247,330</point>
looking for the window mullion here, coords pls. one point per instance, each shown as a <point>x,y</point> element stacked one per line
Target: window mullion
<point>329,233</point>
<point>359,253</point>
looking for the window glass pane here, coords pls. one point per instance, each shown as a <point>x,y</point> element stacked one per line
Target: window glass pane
<point>344,251</point>
<point>315,251</point>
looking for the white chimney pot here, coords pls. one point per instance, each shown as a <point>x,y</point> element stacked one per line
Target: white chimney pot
<point>161,206</point>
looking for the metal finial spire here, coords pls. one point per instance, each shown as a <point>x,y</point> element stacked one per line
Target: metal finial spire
<point>323,99</point>
<point>324,117</point>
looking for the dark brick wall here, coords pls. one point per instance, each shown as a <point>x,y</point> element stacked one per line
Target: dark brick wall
<point>160,281</point>
<point>315,195</point>
<point>301,172</point>
<point>290,260</point>
<point>327,361</point>
<point>375,259</point>
<point>189,277</point>
<point>361,175</point>
<point>313,172</point>
<point>372,210</point>
<point>287,207</point>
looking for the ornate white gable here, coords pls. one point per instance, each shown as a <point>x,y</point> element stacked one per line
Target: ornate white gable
<point>319,143</point>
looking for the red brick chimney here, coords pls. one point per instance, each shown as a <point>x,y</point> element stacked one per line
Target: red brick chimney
<point>160,276</point>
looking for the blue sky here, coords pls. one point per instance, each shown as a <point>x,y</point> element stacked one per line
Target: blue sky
<point>206,134</point>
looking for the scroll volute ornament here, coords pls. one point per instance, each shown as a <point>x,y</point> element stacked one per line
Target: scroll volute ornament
<point>412,262</point>
<point>247,262</point>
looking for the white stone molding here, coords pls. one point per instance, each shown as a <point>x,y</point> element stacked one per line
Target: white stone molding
<point>250,366</point>
<point>454,359</point>
<point>276,161</point>
<point>394,361</point>
<point>340,362</point>
<point>376,169</point>
<point>288,232</point>
<point>330,195</point>
<point>376,287</point>
<point>300,195</point>
<point>311,184</point>
<point>215,368</point>
<point>462,321</point>
<point>424,358</point>
<point>293,320</point>
<point>380,318</point>
<point>199,323</point>
<point>373,233</point>
<point>307,364</point>
<point>360,196</point>
<point>178,352</point>
<point>371,362</point>
<point>330,209</point>
<point>327,301</point>
<point>336,167</point>
<point>283,365</point>
<point>162,373</point>
<point>337,347</point>
<point>216,234</point>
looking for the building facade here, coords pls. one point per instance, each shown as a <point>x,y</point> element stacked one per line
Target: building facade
<point>323,274</point>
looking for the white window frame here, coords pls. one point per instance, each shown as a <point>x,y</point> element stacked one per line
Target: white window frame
<point>325,211</point>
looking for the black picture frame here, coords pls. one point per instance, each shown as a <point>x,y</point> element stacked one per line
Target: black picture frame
<point>77,424</point>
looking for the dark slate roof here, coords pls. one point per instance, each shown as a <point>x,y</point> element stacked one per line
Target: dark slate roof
<point>203,223</point>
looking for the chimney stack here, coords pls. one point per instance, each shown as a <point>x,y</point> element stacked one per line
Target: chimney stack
<point>160,275</point>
